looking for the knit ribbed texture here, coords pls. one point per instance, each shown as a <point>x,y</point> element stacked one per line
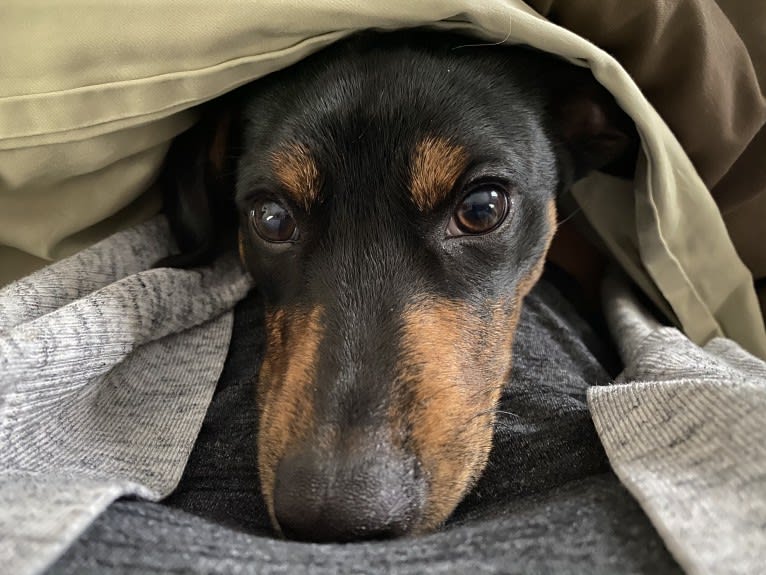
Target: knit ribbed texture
<point>686,433</point>
<point>106,372</point>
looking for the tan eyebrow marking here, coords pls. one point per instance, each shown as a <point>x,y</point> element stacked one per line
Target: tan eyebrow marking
<point>297,171</point>
<point>436,166</point>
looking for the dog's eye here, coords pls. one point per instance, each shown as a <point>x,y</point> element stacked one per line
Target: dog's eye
<point>273,222</point>
<point>481,210</point>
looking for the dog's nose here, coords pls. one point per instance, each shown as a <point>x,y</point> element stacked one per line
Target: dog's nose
<point>348,496</point>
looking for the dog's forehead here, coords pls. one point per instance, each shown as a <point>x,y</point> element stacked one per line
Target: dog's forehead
<point>398,117</point>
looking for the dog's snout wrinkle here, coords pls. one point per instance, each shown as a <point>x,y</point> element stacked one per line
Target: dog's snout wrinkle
<point>366,492</point>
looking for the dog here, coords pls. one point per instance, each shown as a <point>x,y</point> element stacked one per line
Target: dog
<point>393,197</point>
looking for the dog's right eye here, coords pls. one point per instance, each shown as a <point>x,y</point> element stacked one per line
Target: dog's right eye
<point>273,222</point>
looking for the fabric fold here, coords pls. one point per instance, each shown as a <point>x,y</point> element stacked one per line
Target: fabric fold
<point>692,271</point>
<point>106,372</point>
<point>683,430</point>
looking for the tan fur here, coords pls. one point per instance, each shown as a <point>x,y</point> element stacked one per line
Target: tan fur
<point>241,246</point>
<point>285,388</point>
<point>453,367</point>
<point>434,170</point>
<point>296,170</point>
<point>453,375</point>
<point>527,283</point>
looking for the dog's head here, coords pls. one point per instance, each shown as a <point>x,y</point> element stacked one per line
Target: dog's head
<point>395,199</point>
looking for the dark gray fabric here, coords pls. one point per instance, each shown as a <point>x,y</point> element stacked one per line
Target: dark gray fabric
<point>547,503</point>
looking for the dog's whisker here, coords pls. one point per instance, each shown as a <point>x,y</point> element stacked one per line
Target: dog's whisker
<point>495,420</point>
<point>484,413</point>
<point>570,216</point>
<point>486,391</point>
<point>491,411</point>
<point>501,412</point>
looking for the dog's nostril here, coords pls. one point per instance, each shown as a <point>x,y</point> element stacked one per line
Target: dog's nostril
<point>326,499</point>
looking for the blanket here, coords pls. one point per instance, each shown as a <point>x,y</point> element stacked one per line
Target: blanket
<point>547,503</point>
<point>108,370</point>
<point>71,123</point>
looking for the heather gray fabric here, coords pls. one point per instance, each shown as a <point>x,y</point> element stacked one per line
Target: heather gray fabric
<point>548,502</point>
<point>686,433</point>
<point>106,372</point>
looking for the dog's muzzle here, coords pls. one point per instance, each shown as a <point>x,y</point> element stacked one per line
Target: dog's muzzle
<point>360,490</point>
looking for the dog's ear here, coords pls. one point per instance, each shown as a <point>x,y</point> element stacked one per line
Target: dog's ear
<point>590,124</point>
<point>198,188</point>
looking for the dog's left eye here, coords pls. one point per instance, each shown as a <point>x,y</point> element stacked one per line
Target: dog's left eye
<point>273,222</point>
<point>481,210</point>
